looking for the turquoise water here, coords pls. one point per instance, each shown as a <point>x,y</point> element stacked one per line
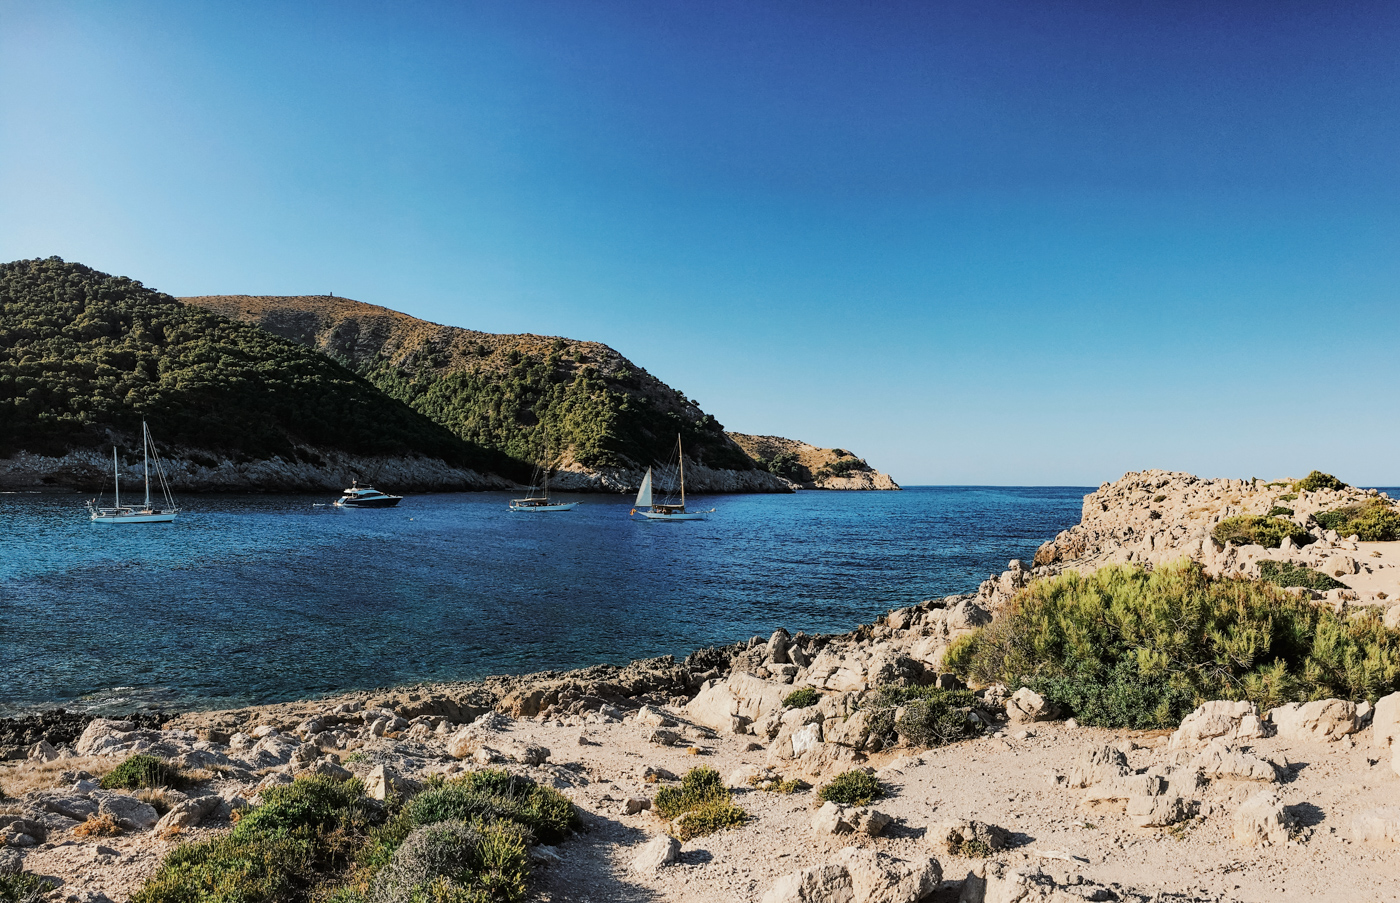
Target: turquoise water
<point>251,599</point>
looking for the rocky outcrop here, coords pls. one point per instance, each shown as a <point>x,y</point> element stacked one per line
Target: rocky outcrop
<point>575,477</point>
<point>810,467</point>
<point>192,470</point>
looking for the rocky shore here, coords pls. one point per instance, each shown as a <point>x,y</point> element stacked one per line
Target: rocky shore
<point>1300,801</point>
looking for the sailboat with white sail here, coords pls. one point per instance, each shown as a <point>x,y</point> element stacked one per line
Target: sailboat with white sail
<point>541,502</point>
<point>667,509</point>
<point>130,514</point>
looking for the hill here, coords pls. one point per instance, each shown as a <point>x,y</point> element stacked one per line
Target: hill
<point>811,467</point>
<point>85,356</point>
<point>601,418</point>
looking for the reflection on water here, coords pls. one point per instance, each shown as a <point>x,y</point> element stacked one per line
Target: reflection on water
<point>262,598</point>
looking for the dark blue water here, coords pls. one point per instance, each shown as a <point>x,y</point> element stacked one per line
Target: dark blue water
<point>266,598</point>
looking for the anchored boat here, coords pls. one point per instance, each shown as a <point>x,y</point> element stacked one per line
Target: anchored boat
<point>666,510</point>
<point>129,514</point>
<point>358,496</point>
<point>541,502</point>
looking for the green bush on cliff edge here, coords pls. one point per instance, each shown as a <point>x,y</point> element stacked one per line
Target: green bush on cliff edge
<point>1127,647</point>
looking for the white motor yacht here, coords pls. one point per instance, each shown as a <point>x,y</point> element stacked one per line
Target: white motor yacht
<point>358,496</point>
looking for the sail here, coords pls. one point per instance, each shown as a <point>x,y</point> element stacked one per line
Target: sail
<point>644,494</point>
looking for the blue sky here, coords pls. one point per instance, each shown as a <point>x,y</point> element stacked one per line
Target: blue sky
<point>974,242</point>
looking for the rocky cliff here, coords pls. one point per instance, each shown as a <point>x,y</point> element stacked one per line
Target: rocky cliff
<point>811,467</point>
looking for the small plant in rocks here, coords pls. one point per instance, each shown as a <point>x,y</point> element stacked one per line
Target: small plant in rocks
<point>98,826</point>
<point>25,888</point>
<point>700,806</point>
<point>143,771</point>
<point>801,699</point>
<point>1318,480</point>
<point>975,848</point>
<point>779,785</point>
<point>851,788</point>
<point>1269,532</point>
<point>1372,521</point>
<point>1288,574</point>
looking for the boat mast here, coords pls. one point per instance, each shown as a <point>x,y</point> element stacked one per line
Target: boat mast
<point>146,453</point>
<point>116,480</point>
<point>681,459</point>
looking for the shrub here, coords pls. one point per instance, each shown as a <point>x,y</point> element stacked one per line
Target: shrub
<point>709,817</point>
<point>456,861</point>
<point>1280,511</point>
<point>1124,647</point>
<point>931,717</point>
<point>1375,520</point>
<point>704,802</point>
<point>1289,497</point>
<point>495,795</point>
<point>24,888</point>
<point>141,771</point>
<point>98,826</point>
<point>1286,573</point>
<point>801,699</point>
<point>779,785</point>
<point>1318,480</point>
<point>1247,529</point>
<point>851,788</point>
<point>974,848</point>
<point>1159,498</point>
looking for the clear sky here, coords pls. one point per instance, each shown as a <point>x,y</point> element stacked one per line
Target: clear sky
<point>979,242</point>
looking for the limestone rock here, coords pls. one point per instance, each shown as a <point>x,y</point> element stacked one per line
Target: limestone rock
<point>1381,825</point>
<point>127,811</point>
<point>1324,721</point>
<point>189,813</point>
<point>823,884</point>
<point>42,751</point>
<point>1385,720</point>
<point>1159,811</point>
<point>1224,762</point>
<point>1262,821</point>
<point>1098,765</point>
<point>384,782</point>
<point>951,836</point>
<point>880,878</point>
<point>1222,719</point>
<point>1026,706</point>
<point>655,853</point>
<point>834,818</point>
<point>636,804</point>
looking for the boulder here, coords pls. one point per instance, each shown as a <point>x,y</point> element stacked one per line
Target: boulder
<point>1385,720</point>
<point>1159,811</point>
<point>1218,719</point>
<point>384,782</point>
<point>1220,761</point>
<point>826,758</point>
<point>1026,706</point>
<point>823,884</point>
<point>650,717</point>
<point>1261,821</point>
<point>805,739</point>
<point>127,811</point>
<point>635,805</point>
<point>834,818</point>
<point>189,813</point>
<point>42,751</point>
<point>954,836</point>
<point>1098,765</point>
<point>730,705</point>
<point>1323,721</point>
<point>880,878</point>
<point>656,853</point>
<point>778,645</point>
<point>664,737</point>
<point>1381,825</point>
<point>851,731</point>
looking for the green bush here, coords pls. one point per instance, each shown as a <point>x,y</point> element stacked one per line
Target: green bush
<point>457,861</point>
<point>496,795</point>
<point>704,802</point>
<point>1280,511</point>
<point>1125,647</point>
<point>1318,480</point>
<point>1289,497</point>
<point>930,717</point>
<point>1287,574</point>
<point>779,785</point>
<point>851,788</point>
<point>1159,498</point>
<point>25,888</point>
<point>1375,520</point>
<point>970,849</point>
<point>142,770</point>
<point>1251,529</point>
<point>295,842</point>
<point>801,699</point>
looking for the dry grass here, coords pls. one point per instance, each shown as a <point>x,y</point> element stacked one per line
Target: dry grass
<point>98,826</point>
<point>23,777</point>
<point>158,798</point>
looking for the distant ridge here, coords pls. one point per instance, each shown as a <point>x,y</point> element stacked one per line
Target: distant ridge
<point>811,467</point>
<point>85,356</point>
<point>529,398</point>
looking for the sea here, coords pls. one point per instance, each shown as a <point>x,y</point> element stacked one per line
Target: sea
<point>253,599</point>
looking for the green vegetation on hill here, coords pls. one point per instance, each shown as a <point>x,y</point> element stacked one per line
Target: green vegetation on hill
<point>1126,647</point>
<point>82,352</point>
<point>531,398</point>
<point>1318,480</point>
<point>1269,532</point>
<point>1375,520</point>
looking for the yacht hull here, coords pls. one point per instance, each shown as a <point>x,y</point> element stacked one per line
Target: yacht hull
<point>653,516</point>
<point>567,506</point>
<point>132,518</point>
<point>388,502</point>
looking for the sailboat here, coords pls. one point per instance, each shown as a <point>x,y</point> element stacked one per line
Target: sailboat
<point>146,514</point>
<point>541,502</point>
<point>665,510</point>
